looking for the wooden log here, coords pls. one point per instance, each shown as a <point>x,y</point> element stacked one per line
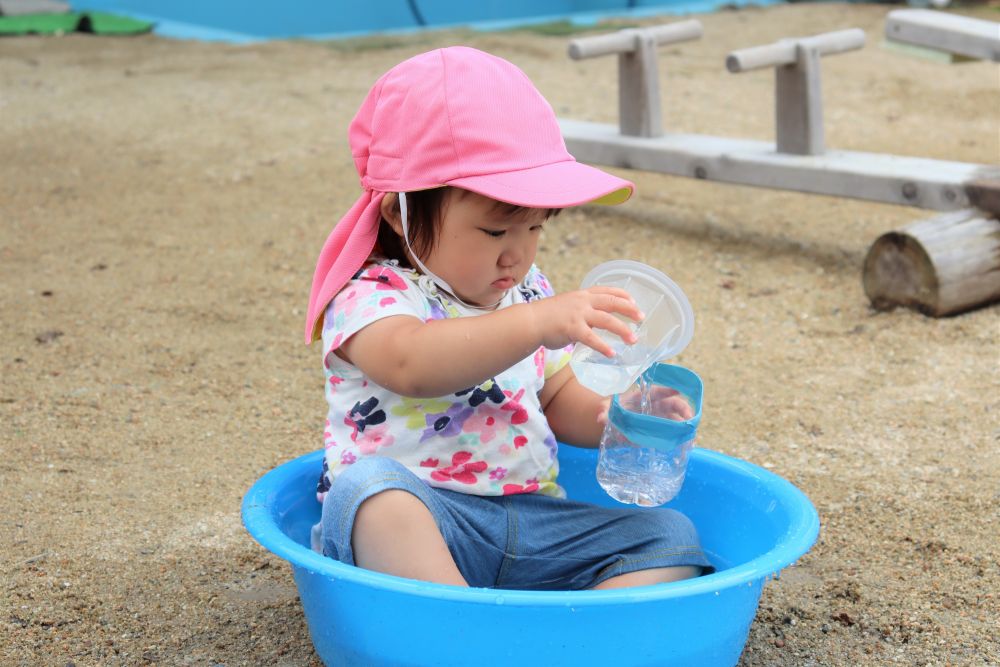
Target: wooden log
<point>941,266</point>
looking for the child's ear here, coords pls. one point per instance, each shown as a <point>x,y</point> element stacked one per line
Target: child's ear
<point>390,212</point>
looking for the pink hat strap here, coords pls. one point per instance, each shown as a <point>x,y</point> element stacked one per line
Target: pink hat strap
<point>345,251</point>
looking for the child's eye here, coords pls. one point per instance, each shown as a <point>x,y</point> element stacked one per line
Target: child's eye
<point>495,233</point>
<point>536,228</point>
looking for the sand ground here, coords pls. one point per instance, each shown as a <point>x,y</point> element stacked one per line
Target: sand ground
<point>161,206</point>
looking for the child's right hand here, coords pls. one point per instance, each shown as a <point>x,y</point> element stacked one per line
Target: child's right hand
<point>572,317</point>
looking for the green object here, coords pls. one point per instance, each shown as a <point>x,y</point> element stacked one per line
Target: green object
<point>98,23</point>
<point>42,24</point>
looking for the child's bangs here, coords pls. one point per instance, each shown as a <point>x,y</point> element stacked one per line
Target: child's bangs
<point>518,212</point>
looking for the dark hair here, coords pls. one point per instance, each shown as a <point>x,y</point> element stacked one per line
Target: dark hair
<point>423,218</point>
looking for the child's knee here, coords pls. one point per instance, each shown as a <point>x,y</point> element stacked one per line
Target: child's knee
<point>387,520</point>
<point>390,510</point>
<point>351,488</point>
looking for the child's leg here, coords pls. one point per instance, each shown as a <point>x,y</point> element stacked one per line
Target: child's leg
<point>395,533</point>
<point>380,516</point>
<point>564,544</point>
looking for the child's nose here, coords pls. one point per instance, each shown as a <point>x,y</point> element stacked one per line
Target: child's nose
<point>518,249</point>
<point>510,257</point>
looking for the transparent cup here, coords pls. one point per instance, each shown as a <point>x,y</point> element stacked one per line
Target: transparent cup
<point>650,432</point>
<point>664,333</point>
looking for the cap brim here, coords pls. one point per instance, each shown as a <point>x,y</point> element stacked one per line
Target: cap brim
<point>556,185</point>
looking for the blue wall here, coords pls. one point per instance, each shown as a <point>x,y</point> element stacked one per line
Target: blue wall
<point>245,20</point>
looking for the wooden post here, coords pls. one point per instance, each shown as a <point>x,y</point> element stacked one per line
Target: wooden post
<point>639,112</point>
<point>798,99</point>
<point>940,266</point>
<point>798,109</point>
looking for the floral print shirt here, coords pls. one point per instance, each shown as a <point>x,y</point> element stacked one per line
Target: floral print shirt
<point>491,439</point>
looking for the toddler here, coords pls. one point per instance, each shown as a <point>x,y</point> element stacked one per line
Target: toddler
<point>446,352</point>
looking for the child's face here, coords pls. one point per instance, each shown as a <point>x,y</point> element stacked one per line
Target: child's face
<point>481,250</point>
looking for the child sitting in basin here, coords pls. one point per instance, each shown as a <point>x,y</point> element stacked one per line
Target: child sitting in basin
<point>445,350</point>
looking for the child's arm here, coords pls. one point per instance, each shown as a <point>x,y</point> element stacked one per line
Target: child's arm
<point>427,359</point>
<point>575,414</point>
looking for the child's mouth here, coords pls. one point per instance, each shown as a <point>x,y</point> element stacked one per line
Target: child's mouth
<point>503,283</point>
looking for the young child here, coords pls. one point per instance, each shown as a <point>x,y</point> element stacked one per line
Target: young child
<point>445,350</point>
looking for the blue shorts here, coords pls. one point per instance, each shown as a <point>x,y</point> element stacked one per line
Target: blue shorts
<point>524,541</point>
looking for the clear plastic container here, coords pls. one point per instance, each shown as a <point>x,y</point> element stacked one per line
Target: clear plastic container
<point>650,431</point>
<point>664,333</point>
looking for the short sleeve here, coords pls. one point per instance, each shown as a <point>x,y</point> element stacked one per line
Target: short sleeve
<point>536,286</point>
<point>376,292</point>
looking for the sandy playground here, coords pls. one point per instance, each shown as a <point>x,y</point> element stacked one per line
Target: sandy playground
<point>161,207</point>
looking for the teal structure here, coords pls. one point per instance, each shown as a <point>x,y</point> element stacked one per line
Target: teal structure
<point>254,20</point>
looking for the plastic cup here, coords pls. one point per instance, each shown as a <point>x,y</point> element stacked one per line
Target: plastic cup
<point>664,333</point>
<point>650,432</point>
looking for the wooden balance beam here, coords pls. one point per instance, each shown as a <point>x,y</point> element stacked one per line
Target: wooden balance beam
<point>798,160</point>
<point>940,266</point>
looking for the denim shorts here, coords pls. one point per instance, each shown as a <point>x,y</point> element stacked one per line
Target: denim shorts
<point>524,541</point>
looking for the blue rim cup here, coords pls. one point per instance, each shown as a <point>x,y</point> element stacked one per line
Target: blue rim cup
<point>752,523</point>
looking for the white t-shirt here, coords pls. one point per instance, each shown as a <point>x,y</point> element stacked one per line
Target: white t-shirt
<point>491,439</point>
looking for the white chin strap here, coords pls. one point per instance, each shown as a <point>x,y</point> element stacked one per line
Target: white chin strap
<point>439,281</point>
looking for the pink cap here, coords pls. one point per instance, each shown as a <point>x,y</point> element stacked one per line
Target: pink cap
<point>459,117</point>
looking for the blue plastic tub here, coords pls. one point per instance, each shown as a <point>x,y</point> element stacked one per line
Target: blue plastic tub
<point>752,524</point>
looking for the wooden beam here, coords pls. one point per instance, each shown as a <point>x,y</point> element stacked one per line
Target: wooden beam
<point>985,195</point>
<point>974,38</point>
<point>625,40</point>
<point>908,181</point>
<point>941,266</point>
<point>786,51</point>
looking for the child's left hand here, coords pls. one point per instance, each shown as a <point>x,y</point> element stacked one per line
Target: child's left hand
<point>663,402</point>
<point>602,411</point>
